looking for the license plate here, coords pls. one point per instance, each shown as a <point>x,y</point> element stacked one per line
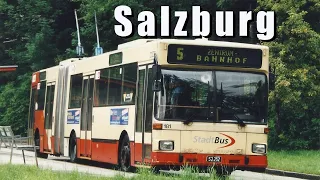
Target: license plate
<point>213,159</point>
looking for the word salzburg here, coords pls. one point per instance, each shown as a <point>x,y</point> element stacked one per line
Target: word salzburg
<point>201,22</point>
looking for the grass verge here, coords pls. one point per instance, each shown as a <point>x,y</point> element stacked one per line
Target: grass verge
<point>17,172</point>
<point>302,161</point>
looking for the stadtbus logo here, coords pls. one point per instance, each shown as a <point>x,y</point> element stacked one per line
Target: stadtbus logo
<point>226,140</point>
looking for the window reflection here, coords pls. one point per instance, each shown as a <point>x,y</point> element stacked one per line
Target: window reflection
<point>242,95</point>
<point>212,96</point>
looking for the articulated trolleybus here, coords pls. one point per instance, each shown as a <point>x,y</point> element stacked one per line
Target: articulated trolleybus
<point>161,103</point>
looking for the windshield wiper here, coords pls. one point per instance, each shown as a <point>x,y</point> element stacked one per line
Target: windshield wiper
<point>240,121</point>
<point>189,118</point>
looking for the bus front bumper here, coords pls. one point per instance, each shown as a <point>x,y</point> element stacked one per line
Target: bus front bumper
<point>242,162</point>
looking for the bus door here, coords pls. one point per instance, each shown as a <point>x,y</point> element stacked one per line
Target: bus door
<point>144,115</point>
<point>31,113</point>
<point>49,116</point>
<point>86,117</point>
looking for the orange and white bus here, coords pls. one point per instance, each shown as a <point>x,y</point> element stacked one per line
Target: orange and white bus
<point>157,103</point>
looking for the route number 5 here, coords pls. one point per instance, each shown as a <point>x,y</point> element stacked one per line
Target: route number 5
<point>179,54</point>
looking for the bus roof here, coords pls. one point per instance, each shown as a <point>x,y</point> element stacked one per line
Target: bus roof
<point>134,45</point>
<point>203,42</point>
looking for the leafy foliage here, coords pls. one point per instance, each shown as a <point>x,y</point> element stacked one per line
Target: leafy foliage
<point>31,36</point>
<point>14,102</point>
<point>295,55</point>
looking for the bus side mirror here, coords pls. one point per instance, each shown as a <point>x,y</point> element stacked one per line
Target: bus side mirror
<point>272,81</point>
<point>156,87</point>
<point>156,73</point>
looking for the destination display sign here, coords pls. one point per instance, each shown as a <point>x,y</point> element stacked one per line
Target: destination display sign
<point>214,56</point>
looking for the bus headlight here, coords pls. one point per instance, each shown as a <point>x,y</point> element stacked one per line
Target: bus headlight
<point>166,145</point>
<point>259,148</point>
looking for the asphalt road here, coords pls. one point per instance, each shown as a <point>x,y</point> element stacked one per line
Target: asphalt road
<point>62,164</point>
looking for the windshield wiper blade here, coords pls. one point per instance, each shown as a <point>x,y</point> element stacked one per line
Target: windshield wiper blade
<point>240,121</point>
<point>189,119</point>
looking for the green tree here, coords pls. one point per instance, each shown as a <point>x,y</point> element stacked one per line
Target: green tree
<point>32,36</point>
<point>295,54</point>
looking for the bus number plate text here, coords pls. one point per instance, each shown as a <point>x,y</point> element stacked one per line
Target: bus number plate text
<point>213,159</point>
<point>167,126</point>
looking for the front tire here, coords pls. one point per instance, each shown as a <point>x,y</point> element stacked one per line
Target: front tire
<point>124,155</point>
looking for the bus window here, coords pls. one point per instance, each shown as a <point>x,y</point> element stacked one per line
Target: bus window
<point>244,94</point>
<point>185,95</point>
<point>101,88</point>
<point>75,91</point>
<point>48,101</point>
<point>32,107</point>
<point>148,123</point>
<point>49,106</point>
<point>140,100</point>
<point>129,83</point>
<point>212,96</point>
<point>114,97</point>
<point>41,96</point>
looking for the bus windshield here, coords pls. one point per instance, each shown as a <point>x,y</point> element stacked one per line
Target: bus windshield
<point>212,96</point>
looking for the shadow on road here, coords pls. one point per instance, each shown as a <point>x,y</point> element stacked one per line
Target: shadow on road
<point>85,162</point>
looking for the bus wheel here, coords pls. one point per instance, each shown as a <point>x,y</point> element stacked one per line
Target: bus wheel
<point>73,149</point>
<point>124,154</point>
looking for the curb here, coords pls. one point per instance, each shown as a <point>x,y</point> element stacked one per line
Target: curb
<point>292,174</point>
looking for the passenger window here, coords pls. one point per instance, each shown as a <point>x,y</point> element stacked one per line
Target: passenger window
<point>115,82</point>
<point>41,95</point>
<point>101,88</point>
<point>75,91</point>
<point>140,110</point>
<point>116,86</point>
<point>129,83</point>
<point>32,107</point>
<point>148,122</point>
